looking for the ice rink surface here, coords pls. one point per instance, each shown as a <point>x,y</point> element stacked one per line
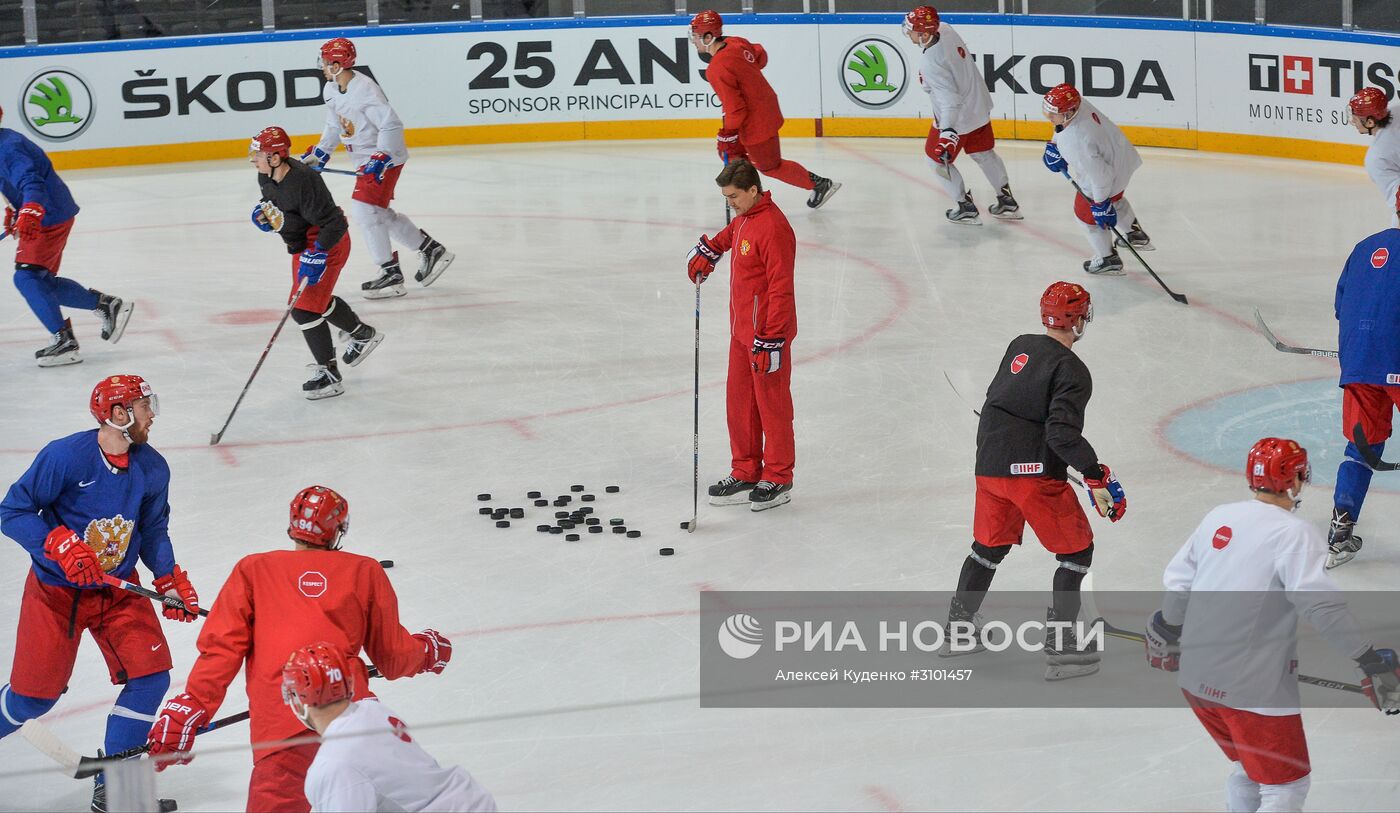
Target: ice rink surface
<point>558,350</point>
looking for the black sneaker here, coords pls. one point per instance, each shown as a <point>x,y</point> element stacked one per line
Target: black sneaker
<point>63,349</point>
<point>1137,238</point>
<point>1110,266</point>
<point>361,342</point>
<point>965,213</point>
<point>433,260</point>
<point>114,314</point>
<point>769,495</point>
<point>388,284</point>
<point>822,190</point>
<point>325,382</point>
<point>730,491</point>
<point>99,797</point>
<point>1342,543</point>
<point>1006,206</point>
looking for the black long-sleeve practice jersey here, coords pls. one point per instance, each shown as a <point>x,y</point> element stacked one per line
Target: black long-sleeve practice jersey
<point>1033,419</point>
<point>305,202</point>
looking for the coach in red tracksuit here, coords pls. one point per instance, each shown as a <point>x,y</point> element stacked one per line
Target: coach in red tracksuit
<point>762,325</point>
<point>751,114</point>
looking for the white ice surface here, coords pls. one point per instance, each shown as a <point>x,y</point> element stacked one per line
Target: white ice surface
<point>558,350</point>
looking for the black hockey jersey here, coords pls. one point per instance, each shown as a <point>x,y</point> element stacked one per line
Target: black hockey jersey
<point>305,202</point>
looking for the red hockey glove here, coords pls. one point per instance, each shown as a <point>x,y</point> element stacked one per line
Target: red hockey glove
<point>79,563</point>
<point>1106,494</point>
<point>701,260</point>
<point>768,354</point>
<point>1382,681</point>
<point>177,584</point>
<point>9,220</point>
<point>728,146</point>
<point>947,147</point>
<point>173,733</point>
<point>1163,642</point>
<point>437,651</point>
<point>30,220</point>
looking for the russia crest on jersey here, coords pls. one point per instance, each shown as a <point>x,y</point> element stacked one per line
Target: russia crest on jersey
<point>109,539</point>
<point>1222,537</point>
<point>1019,363</point>
<point>1380,257</point>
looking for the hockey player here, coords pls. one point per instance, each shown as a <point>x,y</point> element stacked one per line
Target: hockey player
<point>1031,427</point>
<point>276,602</point>
<point>296,204</point>
<point>1091,151</point>
<point>1370,115</point>
<point>1367,307</point>
<point>40,212</point>
<point>367,761</point>
<point>751,118</point>
<point>763,323</point>
<point>89,506</point>
<point>359,116</point>
<point>1237,651</point>
<point>962,117</point>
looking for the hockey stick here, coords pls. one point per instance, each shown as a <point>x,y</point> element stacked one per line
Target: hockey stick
<point>1288,348</point>
<point>80,767</point>
<point>351,173</point>
<point>1174,295</point>
<point>172,601</point>
<point>1358,436</point>
<point>1068,476</point>
<point>219,435</point>
<point>695,439</point>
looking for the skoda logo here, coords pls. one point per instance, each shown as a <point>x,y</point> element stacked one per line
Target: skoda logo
<point>872,72</point>
<point>56,105</point>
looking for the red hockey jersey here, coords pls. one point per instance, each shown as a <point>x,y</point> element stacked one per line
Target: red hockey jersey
<point>750,105</point>
<point>764,249</point>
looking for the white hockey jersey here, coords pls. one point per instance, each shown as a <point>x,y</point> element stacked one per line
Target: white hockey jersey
<point>1100,157</point>
<point>1239,585</point>
<point>369,762</point>
<point>1383,165</point>
<point>362,119</point>
<point>950,77</point>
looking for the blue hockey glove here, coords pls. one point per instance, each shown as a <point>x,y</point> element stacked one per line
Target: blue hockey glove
<point>260,218</point>
<point>313,265</point>
<point>1052,158</point>
<point>316,158</point>
<point>376,166</point>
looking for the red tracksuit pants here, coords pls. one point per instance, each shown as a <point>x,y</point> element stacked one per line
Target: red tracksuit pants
<point>759,407</point>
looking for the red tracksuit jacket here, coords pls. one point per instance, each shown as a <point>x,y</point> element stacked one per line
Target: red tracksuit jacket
<point>750,105</point>
<point>763,249</point>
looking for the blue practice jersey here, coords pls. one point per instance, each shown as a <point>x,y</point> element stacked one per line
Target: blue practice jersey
<point>1368,311</point>
<point>27,175</point>
<point>120,514</point>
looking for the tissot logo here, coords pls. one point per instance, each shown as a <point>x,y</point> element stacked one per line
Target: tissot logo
<point>1317,75</point>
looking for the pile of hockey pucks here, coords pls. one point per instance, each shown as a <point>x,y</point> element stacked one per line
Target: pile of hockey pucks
<point>569,522</point>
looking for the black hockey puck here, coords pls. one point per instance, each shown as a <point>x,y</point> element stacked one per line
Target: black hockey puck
<point>613,489</point>
<point>485,510</point>
<point>484,497</point>
<point>570,537</point>
<point>502,523</point>
<point>500,513</point>
<point>619,529</point>
<point>533,495</point>
<point>556,530</point>
<point>685,525</point>
<point>560,514</point>
<point>615,521</point>
<point>575,488</point>
<point>566,524</point>
<point>585,509</point>
<point>667,551</point>
<point>541,503</point>
<point>594,521</point>
<point>633,534</point>
<point>517,513</point>
<point>595,529</point>
<point>565,499</point>
<point>587,498</point>
<point>544,529</point>
<point>560,501</point>
<point>386,563</point>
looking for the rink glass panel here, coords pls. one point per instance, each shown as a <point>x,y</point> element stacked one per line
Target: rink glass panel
<point>289,14</point>
<point>1377,15</point>
<point>89,20</point>
<point>1109,8</point>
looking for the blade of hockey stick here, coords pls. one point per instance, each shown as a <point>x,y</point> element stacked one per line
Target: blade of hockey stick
<point>48,744</point>
<point>1174,295</point>
<point>1288,348</point>
<point>1369,454</point>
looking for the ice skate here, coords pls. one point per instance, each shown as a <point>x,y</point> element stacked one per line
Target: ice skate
<point>958,613</point>
<point>1006,207</point>
<point>1110,266</point>
<point>1342,543</point>
<point>433,260</point>
<point>769,495</point>
<point>1137,238</point>
<point>114,313</point>
<point>62,350</point>
<point>731,491</point>
<point>325,382</point>
<point>822,191</point>
<point>361,342</point>
<point>388,284</point>
<point>1064,657</point>
<point>99,797</point>
<point>965,214</point>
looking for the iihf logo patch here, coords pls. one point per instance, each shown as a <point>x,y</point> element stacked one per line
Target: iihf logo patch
<point>1027,468</point>
<point>1380,257</point>
<point>1019,363</point>
<point>1222,537</point>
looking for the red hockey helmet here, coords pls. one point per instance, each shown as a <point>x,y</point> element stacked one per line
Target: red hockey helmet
<point>707,22</point>
<point>922,20</point>
<point>273,140</point>
<point>1063,304</point>
<point>320,517</point>
<point>1062,99</point>
<point>1369,103</point>
<point>339,50</point>
<point>123,390</point>
<point>317,675</point>
<point>1274,463</point>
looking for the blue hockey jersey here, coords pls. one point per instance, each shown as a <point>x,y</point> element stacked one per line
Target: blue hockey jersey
<point>1368,311</point>
<point>120,514</point>
<point>26,174</point>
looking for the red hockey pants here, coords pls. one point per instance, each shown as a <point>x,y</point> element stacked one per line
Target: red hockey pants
<point>759,406</point>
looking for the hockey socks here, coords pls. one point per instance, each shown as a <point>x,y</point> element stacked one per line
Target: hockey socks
<point>1068,577</point>
<point>135,712</point>
<point>1353,481</point>
<point>315,327</point>
<point>978,570</point>
<point>16,708</point>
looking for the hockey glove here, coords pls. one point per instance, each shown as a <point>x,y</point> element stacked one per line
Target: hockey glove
<point>437,651</point>
<point>9,220</point>
<point>1052,158</point>
<point>260,218</point>
<point>1106,494</point>
<point>30,220</point>
<point>377,164</point>
<point>728,146</point>
<point>947,147</point>
<point>1104,214</point>
<point>768,355</point>
<point>177,584</point>
<point>313,265</point>
<point>1382,681</point>
<point>1163,642</point>
<point>79,563</point>
<point>701,260</point>
<point>316,158</point>
<point>173,733</point>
